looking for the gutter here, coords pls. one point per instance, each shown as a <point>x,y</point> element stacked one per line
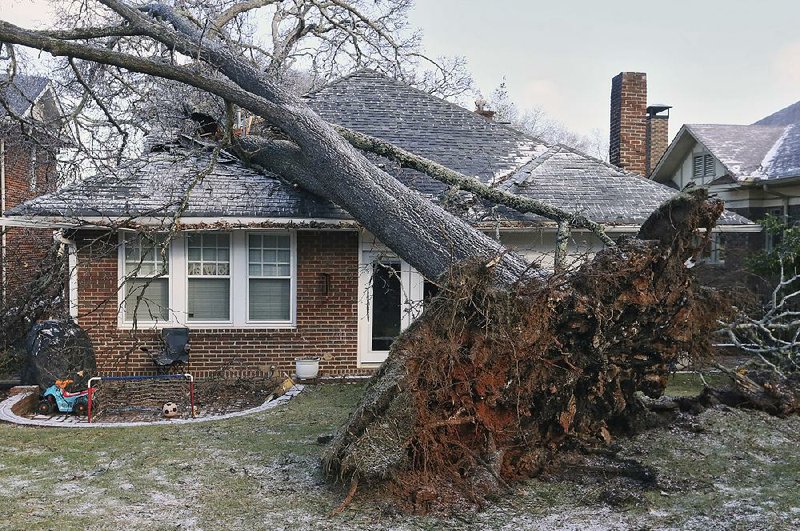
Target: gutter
<point>72,263</point>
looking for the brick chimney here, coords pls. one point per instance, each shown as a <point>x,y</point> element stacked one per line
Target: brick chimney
<point>639,132</point>
<point>657,134</point>
<point>627,145</point>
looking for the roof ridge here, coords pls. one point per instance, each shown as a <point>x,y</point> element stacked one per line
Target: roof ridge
<point>339,79</point>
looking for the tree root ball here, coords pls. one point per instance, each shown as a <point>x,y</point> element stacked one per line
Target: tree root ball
<point>492,382</point>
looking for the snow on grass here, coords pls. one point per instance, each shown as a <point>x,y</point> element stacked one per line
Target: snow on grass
<point>721,469</point>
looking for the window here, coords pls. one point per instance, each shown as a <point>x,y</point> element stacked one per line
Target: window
<point>714,251</point>
<point>269,270</point>
<point>146,269</point>
<point>704,167</point>
<point>209,277</point>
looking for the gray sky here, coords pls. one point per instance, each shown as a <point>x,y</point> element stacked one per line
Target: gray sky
<point>714,61</point>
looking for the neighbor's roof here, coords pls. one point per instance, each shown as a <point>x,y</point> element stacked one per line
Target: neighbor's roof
<point>786,116</point>
<point>20,93</point>
<point>766,150</point>
<point>395,112</point>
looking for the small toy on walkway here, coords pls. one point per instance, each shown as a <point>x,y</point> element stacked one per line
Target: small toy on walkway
<point>56,398</point>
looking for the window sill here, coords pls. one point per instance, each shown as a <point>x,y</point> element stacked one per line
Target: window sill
<point>208,326</point>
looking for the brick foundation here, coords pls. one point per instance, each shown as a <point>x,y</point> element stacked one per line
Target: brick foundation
<point>327,324</point>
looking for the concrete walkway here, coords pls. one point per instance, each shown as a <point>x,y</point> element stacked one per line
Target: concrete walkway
<point>73,421</point>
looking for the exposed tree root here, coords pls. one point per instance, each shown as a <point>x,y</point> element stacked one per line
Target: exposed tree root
<point>488,386</point>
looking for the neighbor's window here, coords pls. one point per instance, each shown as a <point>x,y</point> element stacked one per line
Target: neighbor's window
<point>703,167</point>
<point>146,276</point>
<point>714,251</point>
<point>209,276</point>
<point>269,271</point>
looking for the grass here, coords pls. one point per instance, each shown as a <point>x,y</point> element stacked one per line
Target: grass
<point>723,469</point>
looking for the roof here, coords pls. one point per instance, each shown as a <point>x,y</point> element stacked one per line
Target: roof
<point>379,106</point>
<point>570,180</point>
<point>769,149</point>
<point>20,93</point>
<point>786,116</point>
<point>224,188</point>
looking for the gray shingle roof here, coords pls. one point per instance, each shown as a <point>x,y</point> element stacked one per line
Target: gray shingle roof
<point>572,181</point>
<point>379,106</point>
<point>767,149</point>
<point>224,189</point>
<point>20,92</point>
<point>786,116</point>
<point>376,105</point>
<point>740,148</point>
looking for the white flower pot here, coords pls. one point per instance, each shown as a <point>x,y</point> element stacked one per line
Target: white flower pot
<point>307,368</point>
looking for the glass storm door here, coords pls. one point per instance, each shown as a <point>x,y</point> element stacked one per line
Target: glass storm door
<point>390,298</point>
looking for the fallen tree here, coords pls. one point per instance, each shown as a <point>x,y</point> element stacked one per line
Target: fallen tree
<point>506,367</point>
<point>489,385</point>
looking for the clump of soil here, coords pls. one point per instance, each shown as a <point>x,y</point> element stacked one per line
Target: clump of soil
<point>491,384</point>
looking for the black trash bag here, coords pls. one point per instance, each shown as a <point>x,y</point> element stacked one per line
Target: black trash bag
<point>58,350</point>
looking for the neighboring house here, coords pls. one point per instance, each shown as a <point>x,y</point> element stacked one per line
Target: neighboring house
<point>263,273</point>
<point>754,168</point>
<point>27,169</point>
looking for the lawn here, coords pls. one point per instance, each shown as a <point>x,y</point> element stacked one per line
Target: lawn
<point>724,469</point>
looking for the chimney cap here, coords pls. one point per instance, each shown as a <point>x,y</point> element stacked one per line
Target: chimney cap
<point>656,108</point>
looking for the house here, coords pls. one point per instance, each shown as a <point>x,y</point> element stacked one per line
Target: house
<point>754,168</point>
<point>29,122</point>
<point>263,272</point>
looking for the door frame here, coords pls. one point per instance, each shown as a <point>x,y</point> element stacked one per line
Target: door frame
<point>412,290</point>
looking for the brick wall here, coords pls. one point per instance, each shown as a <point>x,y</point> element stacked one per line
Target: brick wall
<point>627,146</point>
<point>327,324</point>
<point>25,247</point>
<point>657,140</point>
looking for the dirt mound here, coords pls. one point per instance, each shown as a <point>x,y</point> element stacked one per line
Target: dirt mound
<point>488,386</point>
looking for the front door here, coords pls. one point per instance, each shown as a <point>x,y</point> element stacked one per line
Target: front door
<point>390,298</point>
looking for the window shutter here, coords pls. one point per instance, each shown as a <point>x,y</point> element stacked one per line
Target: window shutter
<point>698,167</point>
<point>709,168</point>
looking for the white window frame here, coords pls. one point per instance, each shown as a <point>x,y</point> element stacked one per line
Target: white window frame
<point>239,278</point>
<point>292,277</point>
<point>122,288</point>
<point>229,277</point>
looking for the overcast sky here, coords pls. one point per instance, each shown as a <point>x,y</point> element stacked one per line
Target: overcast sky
<point>714,61</point>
